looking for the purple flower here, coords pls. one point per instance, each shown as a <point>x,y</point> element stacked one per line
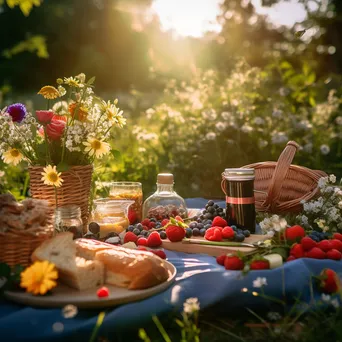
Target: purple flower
<point>17,111</point>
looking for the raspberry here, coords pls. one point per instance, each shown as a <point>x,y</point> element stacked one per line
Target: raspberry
<point>219,221</point>
<point>329,281</point>
<point>315,253</point>
<point>145,222</point>
<point>132,216</point>
<point>336,244</point>
<point>154,240</point>
<point>295,233</point>
<point>102,292</point>
<point>165,222</point>
<point>151,225</point>
<point>297,251</point>
<point>142,242</point>
<point>308,243</point>
<point>160,253</point>
<point>324,245</point>
<point>175,233</point>
<point>337,236</point>
<point>129,236</point>
<point>334,254</point>
<point>213,234</point>
<point>142,248</point>
<point>290,258</point>
<point>260,265</point>
<point>146,228</point>
<point>228,233</point>
<point>178,218</point>
<point>221,259</point>
<point>233,263</point>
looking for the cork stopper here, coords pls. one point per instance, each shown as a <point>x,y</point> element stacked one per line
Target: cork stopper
<point>165,178</point>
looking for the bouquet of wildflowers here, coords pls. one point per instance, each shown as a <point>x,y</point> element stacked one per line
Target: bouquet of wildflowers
<point>75,129</point>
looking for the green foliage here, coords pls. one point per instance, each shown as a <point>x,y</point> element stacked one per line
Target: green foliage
<point>25,5</point>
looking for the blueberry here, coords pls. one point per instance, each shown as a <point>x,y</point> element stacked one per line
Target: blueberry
<point>246,233</point>
<point>136,231</point>
<point>200,225</point>
<point>188,232</point>
<point>239,238</point>
<point>207,226</point>
<point>211,210</point>
<point>239,231</point>
<point>144,233</point>
<point>89,235</point>
<point>153,219</point>
<point>196,232</point>
<point>158,225</point>
<point>130,228</point>
<point>193,225</point>
<point>220,210</point>
<point>315,232</point>
<point>162,235</point>
<point>209,222</point>
<point>210,203</point>
<point>234,227</point>
<point>314,237</point>
<point>202,231</point>
<point>94,227</point>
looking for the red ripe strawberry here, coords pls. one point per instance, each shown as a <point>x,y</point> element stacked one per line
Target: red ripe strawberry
<point>165,222</point>
<point>175,233</point>
<point>308,243</point>
<point>329,281</point>
<point>221,259</point>
<point>290,258</point>
<point>178,218</point>
<point>228,233</point>
<point>102,292</point>
<point>142,242</point>
<point>297,251</point>
<point>219,221</point>
<point>154,240</point>
<point>337,236</point>
<point>295,233</point>
<point>151,225</point>
<point>233,263</point>
<point>132,216</point>
<point>260,265</point>
<point>213,234</point>
<point>334,254</point>
<point>324,245</point>
<point>129,236</point>
<point>145,222</point>
<point>160,253</point>
<point>315,253</point>
<point>336,244</point>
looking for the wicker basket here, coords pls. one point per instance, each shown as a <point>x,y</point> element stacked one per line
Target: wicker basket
<point>74,190</point>
<point>280,186</point>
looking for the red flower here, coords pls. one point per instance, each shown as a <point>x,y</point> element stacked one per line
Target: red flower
<point>55,129</point>
<point>44,116</point>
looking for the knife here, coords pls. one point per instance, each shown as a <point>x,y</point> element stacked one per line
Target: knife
<point>223,244</point>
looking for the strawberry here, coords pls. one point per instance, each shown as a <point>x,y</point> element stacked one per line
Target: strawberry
<point>308,243</point>
<point>129,236</point>
<point>290,258</point>
<point>334,254</point>
<point>260,265</point>
<point>213,234</point>
<point>132,216</point>
<point>233,262</point>
<point>154,240</point>
<point>152,225</point>
<point>324,245</point>
<point>297,251</point>
<point>315,253</point>
<point>228,233</point>
<point>295,233</point>
<point>329,281</point>
<point>221,259</point>
<point>219,221</point>
<point>142,242</point>
<point>165,222</point>
<point>178,218</point>
<point>145,222</point>
<point>160,253</point>
<point>336,244</point>
<point>175,233</point>
<point>337,236</point>
<point>102,292</point>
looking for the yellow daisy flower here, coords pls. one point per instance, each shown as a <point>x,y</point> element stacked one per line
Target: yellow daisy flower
<point>51,176</point>
<point>96,147</point>
<point>49,92</point>
<point>39,278</point>
<point>73,82</point>
<point>12,156</point>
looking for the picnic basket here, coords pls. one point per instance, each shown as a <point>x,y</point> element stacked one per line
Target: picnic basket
<point>280,186</point>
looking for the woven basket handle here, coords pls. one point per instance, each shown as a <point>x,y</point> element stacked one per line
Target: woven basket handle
<point>281,169</point>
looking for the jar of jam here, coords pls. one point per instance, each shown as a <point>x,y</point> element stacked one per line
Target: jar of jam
<point>129,191</point>
<point>238,185</point>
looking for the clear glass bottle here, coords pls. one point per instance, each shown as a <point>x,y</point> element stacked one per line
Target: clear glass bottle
<point>68,219</point>
<point>165,202</point>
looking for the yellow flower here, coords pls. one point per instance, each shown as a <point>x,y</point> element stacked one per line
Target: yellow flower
<point>113,113</point>
<point>12,156</point>
<point>96,147</point>
<point>39,278</point>
<point>61,91</point>
<point>73,82</point>
<point>49,92</point>
<point>51,176</point>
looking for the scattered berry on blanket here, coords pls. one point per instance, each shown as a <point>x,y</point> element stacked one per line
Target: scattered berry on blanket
<point>219,221</point>
<point>159,252</point>
<point>130,228</point>
<point>163,235</point>
<point>130,237</point>
<point>259,265</point>
<point>152,225</point>
<point>315,253</point>
<point>221,259</point>
<point>213,234</point>
<point>325,245</point>
<point>233,263</point>
<point>175,233</point>
<point>337,236</point>
<point>102,292</point>
<point>336,244</point>
<point>294,233</point>
<point>297,251</point>
<point>228,233</point>
<point>329,281</point>
<point>308,243</point>
<point>334,254</point>
<point>142,241</point>
<point>145,222</point>
<point>290,258</point>
<point>154,240</point>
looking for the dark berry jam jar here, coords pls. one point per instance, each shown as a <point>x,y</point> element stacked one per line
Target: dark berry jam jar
<point>238,185</point>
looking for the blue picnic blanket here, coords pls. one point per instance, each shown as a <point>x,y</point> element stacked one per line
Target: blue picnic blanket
<point>197,276</point>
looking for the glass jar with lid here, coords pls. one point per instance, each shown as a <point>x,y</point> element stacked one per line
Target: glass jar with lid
<point>165,202</point>
<point>68,219</point>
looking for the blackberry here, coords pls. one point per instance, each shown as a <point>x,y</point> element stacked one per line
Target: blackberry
<point>188,232</point>
<point>216,206</point>
<point>202,231</point>
<point>196,232</point>
<point>208,216</point>
<point>210,203</point>
<point>94,227</point>
<point>136,231</point>
<point>162,235</point>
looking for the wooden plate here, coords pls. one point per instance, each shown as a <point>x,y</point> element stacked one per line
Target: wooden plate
<point>63,295</point>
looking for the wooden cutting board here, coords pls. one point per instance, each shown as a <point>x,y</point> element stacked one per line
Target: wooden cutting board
<point>212,250</point>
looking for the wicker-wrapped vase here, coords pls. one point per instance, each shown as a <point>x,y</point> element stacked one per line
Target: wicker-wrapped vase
<point>280,187</point>
<point>75,188</point>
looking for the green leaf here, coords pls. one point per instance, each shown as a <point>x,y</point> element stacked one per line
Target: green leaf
<point>5,270</point>
<point>91,80</point>
<point>285,65</point>
<point>116,154</point>
<point>312,101</point>
<point>311,78</point>
<point>300,33</point>
<point>63,166</point>
<point>281,251</point>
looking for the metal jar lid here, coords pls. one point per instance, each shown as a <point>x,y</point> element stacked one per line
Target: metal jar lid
<point>239,174</point>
